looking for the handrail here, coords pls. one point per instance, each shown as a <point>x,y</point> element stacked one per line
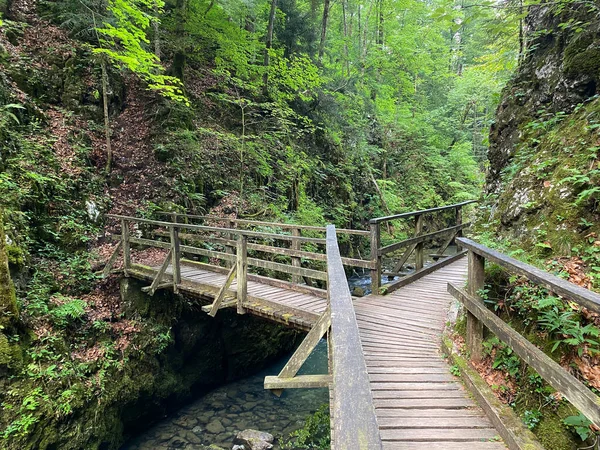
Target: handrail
<point>247,233</point>
<point>413,244</point>
<point>564,288</point>
<point>417,213</point>
<point>354,424</point>
<point>289,226</point>
<point>478,316</point>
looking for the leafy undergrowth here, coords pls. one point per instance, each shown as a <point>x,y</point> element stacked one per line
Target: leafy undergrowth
<point>314,435</point>
<point>567,332</point>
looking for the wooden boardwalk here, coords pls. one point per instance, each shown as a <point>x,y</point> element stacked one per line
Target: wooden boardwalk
<point>419,404</point>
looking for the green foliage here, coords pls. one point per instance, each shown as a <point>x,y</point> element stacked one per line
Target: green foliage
<point>314,435</point>
<point>580,424</point>
<point>532,418</point>
<point>68,311</point>
<point>124,43</point>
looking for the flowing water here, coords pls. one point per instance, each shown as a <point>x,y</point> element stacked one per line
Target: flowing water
<point>216,417</point>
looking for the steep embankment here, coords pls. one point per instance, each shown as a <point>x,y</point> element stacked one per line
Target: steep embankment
<point>544,174</point>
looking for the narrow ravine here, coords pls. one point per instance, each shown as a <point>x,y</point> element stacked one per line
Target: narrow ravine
<point>216,417</point>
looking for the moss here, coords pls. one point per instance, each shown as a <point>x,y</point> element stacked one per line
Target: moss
<point>8,299</point>
<point>582,56</point>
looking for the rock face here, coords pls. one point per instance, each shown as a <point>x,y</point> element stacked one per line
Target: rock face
<point>543,145</point>
<point>560,70</point>
<point>254,440</point>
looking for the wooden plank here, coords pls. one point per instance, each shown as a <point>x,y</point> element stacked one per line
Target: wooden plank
<point>421,387</point>
<point>445,403</point>
<point>561,287</point>
<point>574,390</point>
<point>419,239</point>
<point>429,413</point>
<point>297,382</point>
<point>422,211</point>
<point>393,393</point>
<point>237,232</point>
<point>316,274</point>
<point>404,258</point>
<point>354,420</point>
<point>439,422</point>
<point>438,434</point>
<point>443,445</point>
<point>216,305</point>
<point>296,262</point>
<point>420,274</point>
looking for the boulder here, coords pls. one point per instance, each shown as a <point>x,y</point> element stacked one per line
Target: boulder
<point>254,440</point>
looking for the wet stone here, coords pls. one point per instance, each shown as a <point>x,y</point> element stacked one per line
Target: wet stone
<point>215,427</point>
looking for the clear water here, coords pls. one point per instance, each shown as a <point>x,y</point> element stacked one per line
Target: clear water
<point>216,417</point>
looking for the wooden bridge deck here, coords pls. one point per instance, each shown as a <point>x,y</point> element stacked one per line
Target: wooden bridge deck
<point>418,403</point>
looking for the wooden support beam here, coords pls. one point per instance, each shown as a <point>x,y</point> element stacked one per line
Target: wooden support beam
<point>375,257</point>
<point>221,294</point>
<point>419,260</point>
<point>459,232</point>
<point>474,325</point>
<point>448,241</point>
<point>304,350</point>
<point>227,304</point>
<point>176,258</point>
<point>296,261</point>
<point>161,272</point>
<point>404,258</point>
<point>242,272</point>
<point>298,382</point>
<point>126,248</point>
<point>112,259</point>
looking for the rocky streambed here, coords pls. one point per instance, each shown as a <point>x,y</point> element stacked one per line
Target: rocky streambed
<point>218,416</point>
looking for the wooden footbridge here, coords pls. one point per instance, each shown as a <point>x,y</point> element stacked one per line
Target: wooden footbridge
<point>389,382</point>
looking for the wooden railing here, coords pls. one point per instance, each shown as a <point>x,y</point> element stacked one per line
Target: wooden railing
<point>354,424</point>
<point>414,244</point>
<point>479,316</point>
<point>191,239</point>
<point>353,420</point>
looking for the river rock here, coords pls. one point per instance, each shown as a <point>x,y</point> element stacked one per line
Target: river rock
<point>358,291</point>
<point>215,427</point>
<point>254,440</point>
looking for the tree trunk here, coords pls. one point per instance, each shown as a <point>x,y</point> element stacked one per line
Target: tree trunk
<point>106,117</point>
<point>326,6</point>
<point>155,26</point>
<point>179,58</point>
<point>269,45</point>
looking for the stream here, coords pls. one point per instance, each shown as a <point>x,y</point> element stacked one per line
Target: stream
<point>216,417</point>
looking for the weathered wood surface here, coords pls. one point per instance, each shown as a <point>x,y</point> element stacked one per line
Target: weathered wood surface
<point>423,211</point>
<point>561,380</point>
<point>353,412</point>
<point>559,286</point>
<point>418,403</point>
<point>277,303</point>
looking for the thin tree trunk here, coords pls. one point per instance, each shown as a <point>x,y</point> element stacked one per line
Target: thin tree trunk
<point>155,26</point>
<point>346,55</point>
<point>269,45</point>
<point>323,29</point>
<point>106,117</point>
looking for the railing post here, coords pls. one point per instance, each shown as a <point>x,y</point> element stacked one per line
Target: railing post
<point>230,237</point>
<point>296,262</point>
<point>459,232</point>
<point>375,258</point>
<point>175,258</point>
<point>419,248</point>
<point>126,247</point>
<point>242,272</point>
<point>474,325</point>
